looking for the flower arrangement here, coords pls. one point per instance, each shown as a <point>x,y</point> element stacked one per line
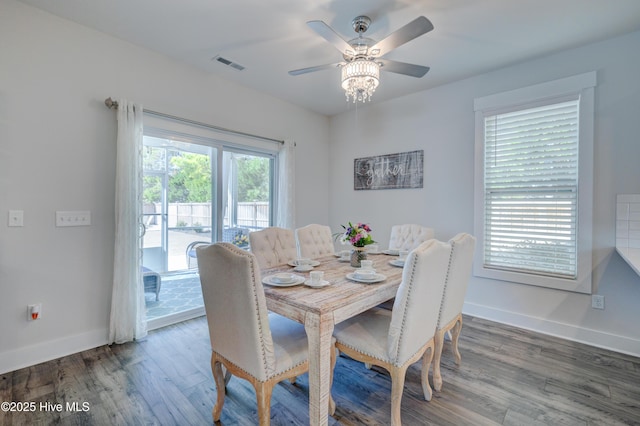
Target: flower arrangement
<point>358,235</point>
<point>240,240</point>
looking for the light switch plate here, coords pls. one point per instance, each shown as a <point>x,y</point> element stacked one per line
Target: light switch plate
<point>73,218</point>
<point>16,218</point>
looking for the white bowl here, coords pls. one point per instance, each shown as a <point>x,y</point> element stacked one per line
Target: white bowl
<point>283,278</point>
<point>366,274</point>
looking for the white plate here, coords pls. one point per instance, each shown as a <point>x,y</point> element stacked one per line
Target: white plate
<point>323,283</point>
<point>311,263</point>
<point>397,262</point>
<point>339,254</point>
<point>270,281</point>
<point>391,252</point>
<point>375,279</point>
<point>347,259</point>
<point>303,268</point>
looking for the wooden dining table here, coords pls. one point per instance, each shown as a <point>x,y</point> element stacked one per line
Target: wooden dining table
<point>319,309</point>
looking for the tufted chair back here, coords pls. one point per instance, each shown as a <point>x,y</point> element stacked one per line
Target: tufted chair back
<point>236,308</point>
<point>314,241</point>
<point>415,310</point>
<point>463,246</point>
<point>273,246</point>
<point>408,237</point>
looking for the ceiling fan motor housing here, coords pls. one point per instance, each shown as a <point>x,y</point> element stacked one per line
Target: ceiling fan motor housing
<point>361,24</point>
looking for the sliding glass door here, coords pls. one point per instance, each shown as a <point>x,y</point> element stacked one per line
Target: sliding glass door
<point>177,201</point>
<point>196,191</point>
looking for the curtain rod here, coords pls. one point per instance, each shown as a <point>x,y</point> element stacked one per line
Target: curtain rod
<point>111,104</point>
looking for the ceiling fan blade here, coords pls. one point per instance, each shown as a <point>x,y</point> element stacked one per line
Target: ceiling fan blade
<point>331,36</point>
<point>402,68</point>
<point>413,29</point>
<point>316,68</point>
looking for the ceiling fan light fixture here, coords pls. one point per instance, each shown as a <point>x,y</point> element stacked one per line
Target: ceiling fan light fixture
<point>360,78</point>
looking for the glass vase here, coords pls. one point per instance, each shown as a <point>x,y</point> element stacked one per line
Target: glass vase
<point>358,254</point>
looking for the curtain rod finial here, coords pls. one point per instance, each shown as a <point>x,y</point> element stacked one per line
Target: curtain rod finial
<point>110,103</point>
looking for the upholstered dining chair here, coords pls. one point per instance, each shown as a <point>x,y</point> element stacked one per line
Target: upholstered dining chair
<point>273,246</point>
<point>455,289</point>
<point>314,241</point>
<point>409,236</point>
<point>396,339</point>
<point>250,343</point>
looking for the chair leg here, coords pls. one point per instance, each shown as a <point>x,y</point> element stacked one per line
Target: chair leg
<point>437,356</point>
<point>455,334</point>
<point>218,376</point>
<point>397,387</point>
<point>427,357</point>
<point>263,394</point>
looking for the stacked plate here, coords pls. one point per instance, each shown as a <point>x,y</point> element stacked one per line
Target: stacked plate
<point>366,276</point>
<point>283,280</point>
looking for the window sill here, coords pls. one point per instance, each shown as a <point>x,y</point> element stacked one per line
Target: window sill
<point>631,256</point>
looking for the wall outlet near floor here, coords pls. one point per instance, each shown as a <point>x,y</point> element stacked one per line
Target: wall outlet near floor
<point>597,301</point>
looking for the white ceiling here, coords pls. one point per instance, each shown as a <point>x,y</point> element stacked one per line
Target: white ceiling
<point>270,37</point>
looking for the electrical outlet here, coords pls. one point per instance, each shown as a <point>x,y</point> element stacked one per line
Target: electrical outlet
<point>34,312</point>
<point>597,301</point>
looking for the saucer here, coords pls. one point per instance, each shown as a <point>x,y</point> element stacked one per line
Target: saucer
<point>323,283</point>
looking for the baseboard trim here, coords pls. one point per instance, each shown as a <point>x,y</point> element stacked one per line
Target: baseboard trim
<point>571,332</point>
<point>49,350</point>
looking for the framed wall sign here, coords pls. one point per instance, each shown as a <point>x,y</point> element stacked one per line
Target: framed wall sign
<point>390,171</point>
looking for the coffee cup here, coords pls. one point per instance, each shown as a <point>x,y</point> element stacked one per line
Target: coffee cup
<point>366,264</point>
<point>316,277</point>
<point>402,255</point>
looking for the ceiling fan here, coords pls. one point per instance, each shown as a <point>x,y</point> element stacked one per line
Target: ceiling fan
<point>363,57</point>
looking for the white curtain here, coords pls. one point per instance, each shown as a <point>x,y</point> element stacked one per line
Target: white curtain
<point>286,185</point>
<point>128,315</point>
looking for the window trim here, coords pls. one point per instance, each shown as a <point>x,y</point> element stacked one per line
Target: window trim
<point>581,86</point>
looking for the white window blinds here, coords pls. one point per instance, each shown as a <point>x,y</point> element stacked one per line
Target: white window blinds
<point>531,190</point>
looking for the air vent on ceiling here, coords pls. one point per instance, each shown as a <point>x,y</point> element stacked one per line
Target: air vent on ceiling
<point>227,62</point>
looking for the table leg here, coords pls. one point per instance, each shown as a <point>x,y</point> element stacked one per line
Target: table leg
<point>319,329</point>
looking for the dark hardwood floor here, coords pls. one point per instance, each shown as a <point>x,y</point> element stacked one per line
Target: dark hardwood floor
<point>508,376</point>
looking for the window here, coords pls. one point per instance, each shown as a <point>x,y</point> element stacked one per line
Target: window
<point>534,167</point>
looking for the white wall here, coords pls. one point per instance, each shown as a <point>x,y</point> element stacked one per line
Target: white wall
<point>441,121</point>
<point>57,152</point>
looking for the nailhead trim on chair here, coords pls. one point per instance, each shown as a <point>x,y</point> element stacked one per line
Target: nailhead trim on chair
<point>251,257</point>
<point>446,281</point>
<point>404,312</point>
